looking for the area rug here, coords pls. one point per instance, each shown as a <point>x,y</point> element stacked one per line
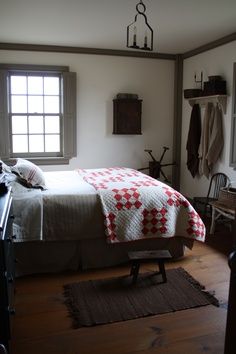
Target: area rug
<point>96,302</point>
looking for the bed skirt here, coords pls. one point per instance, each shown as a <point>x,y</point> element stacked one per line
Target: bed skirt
<point>56,256</point>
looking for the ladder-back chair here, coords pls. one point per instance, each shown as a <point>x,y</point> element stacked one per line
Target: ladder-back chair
<point>218,181</point>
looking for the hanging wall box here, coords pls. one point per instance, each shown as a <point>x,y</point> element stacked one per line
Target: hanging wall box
<point>214,87</point>
<point>127,115</point>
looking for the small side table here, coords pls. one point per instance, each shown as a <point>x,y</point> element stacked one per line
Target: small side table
<point>138,257</point>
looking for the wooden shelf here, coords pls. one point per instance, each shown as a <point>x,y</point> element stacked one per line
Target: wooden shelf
<point>203,100</point>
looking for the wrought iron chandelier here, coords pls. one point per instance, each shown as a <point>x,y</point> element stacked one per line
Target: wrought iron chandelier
<point>139,32</point>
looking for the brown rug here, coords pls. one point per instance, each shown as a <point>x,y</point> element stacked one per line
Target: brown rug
<point>96,302</point>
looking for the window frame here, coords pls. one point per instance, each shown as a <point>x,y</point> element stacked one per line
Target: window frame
<point>67,114</point>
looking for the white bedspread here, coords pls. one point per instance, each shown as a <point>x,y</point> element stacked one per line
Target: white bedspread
<point>136,206</point>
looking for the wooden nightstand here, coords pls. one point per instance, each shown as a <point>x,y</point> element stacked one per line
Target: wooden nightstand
<point>6,269</point>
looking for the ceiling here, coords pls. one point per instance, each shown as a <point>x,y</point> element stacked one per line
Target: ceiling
<point>178,25</point>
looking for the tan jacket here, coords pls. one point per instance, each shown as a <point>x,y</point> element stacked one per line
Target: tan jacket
<point>212,140</point>
<point>216,139</point>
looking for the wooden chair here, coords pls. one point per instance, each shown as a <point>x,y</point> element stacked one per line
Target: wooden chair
<point>218,181</point>
<point>220,209</point>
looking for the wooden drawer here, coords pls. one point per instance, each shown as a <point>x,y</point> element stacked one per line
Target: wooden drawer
<point>6,269</point>
<point>7,290</point>
<point>9,257</point>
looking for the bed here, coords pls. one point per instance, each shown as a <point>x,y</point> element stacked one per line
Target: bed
<point>90,218</point>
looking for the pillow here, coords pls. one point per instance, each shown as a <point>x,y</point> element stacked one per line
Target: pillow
<point>29,173</point>
<point>18,187</point>
<point>5,168</point>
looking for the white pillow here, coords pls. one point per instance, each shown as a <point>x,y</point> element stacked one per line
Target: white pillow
<point>29,173</point>
<point>5,168</point>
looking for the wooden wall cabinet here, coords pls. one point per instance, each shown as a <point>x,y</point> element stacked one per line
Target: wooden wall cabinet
<point>127,116</point>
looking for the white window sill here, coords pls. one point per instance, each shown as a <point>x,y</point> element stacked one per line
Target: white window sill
<point>42,160</point>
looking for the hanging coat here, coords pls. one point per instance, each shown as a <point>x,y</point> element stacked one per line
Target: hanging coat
<point>193,141</point>
<point>204,143</point>
<point>216,138</point>
<point>212,139</point>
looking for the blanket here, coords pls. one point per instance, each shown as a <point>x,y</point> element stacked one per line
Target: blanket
<point>68,210</point>
<point>28,213</point>
<point>136,206</point>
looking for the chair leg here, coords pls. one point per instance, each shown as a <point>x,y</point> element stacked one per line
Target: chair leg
<point>205,210</point>
<point>213,215</point>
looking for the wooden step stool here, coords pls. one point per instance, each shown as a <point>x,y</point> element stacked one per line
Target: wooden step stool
<point>137,257</point>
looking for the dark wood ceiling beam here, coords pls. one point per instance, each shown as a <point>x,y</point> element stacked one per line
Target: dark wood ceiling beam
<point>204,48</point>
<point>126,53</point>
<point>84,50</point>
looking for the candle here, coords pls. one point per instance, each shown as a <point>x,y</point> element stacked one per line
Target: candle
<point>145,39</point>
<point>135,35</point>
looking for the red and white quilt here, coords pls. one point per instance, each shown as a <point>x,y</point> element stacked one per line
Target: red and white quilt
<point>137,206</point>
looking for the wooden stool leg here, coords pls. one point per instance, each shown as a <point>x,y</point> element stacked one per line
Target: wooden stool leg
<point>134,270</point>
<point>162,270</point>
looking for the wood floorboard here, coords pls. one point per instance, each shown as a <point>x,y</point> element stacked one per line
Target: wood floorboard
<point>164,332</point>
<point>42,324</point>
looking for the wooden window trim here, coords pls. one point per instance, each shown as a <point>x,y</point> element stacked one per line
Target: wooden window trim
<point>69,146</point>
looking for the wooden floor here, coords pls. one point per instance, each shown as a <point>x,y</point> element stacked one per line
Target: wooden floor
<point>42,325</point>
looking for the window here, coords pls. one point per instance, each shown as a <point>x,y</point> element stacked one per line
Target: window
<point>37,113</point>
<point>233,123</point>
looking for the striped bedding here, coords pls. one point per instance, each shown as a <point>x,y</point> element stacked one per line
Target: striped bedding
<point>68,210</point>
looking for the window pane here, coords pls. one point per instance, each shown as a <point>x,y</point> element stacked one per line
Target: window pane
<point>18,84</point>
<point>52,124</point>
<point>51,104</point>
<point>51,85</point>
<point>36,143</point>
<point>35,85</point>
<point>19,124</point>
<point>35,104</point>
<point>18,104</point>
<point>20,143</point>
<point>52,143</point>
<point>36,124</point>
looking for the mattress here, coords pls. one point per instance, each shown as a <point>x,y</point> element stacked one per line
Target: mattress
<point>119,204</point>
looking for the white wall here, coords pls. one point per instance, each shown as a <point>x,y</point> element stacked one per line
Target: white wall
<point>218,61</point>
<point>99,79</point>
